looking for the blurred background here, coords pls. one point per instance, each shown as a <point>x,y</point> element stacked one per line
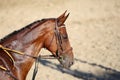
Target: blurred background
<point>93,28</point>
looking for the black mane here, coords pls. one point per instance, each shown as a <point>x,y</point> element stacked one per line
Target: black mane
<point>17,31</point>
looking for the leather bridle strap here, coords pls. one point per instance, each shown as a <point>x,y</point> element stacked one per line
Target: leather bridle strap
<point>58,39</point>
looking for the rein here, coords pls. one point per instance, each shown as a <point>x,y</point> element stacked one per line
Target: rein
<point>6,50</point>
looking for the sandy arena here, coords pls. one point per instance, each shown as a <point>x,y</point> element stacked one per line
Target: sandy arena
<point>94,33</point>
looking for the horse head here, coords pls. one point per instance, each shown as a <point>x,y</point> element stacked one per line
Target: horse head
<point>57,42</point>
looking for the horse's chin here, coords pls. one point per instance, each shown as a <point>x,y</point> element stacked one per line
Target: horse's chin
<point>66,62</point>
<point>66,65</point>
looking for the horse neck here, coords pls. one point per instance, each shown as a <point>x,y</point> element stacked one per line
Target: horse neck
<point>25,41</point>
<point>30,42</point>
<point>30,39</point>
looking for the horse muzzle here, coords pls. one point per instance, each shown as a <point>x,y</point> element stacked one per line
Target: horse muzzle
<point>66,61</point>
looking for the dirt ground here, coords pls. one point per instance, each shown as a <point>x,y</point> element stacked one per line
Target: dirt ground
<point>93,28</point>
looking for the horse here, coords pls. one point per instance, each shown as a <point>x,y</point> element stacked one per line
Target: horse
<point>49,33</point>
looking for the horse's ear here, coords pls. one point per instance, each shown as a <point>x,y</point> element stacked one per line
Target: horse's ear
<point>61,19</point>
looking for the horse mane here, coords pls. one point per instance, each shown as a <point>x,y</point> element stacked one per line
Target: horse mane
<point>17,31</point>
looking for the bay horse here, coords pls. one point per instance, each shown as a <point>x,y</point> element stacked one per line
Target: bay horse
<point>49,33</point>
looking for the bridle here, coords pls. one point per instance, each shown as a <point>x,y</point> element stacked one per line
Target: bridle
<point>59,50</point>
<point>59,42</point>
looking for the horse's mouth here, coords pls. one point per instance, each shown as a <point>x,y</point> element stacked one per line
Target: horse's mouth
<point>66,67</point>
<point>66,64</point>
